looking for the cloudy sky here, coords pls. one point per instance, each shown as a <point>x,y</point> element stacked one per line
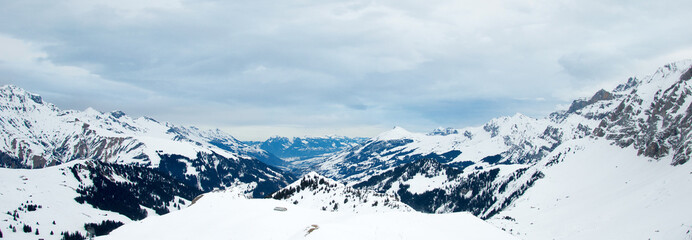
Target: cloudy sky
<point>261,68</point>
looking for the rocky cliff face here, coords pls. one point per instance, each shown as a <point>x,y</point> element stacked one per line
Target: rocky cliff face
<point>654,114</point>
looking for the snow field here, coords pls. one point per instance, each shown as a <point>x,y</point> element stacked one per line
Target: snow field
<point>601,191</point>
<point>224,216</point>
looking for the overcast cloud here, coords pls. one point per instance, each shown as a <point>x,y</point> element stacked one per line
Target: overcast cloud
<point>356,68</point>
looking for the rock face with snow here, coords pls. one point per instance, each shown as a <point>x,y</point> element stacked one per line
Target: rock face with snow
<point>35,134</point>
<point>316,191</point>
<point>654,114</point>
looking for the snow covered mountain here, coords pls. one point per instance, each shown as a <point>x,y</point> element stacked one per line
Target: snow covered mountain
<point>35,134</point>
<point>626,181</point>
<point>110,168</point>
<point>318,192</point>
<point>654,114</point>
<point>507,140</point>
<point>429,186</point>
<point>70,198</point>
<point>226,142</point>
<point>220,215</point>
<point>487,170</point>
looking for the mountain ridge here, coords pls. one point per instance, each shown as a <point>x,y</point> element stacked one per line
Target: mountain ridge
<point>507,156</point>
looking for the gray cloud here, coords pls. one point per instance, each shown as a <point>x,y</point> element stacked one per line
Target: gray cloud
<point>312,66</point>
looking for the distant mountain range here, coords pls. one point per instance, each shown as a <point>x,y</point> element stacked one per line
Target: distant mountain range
<point>302,148</point>
<point>299,154</point>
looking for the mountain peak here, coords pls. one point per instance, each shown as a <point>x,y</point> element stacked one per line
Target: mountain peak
<point>92,111</point>
<point>18,99</point>
<point>10,87</point>
<point>599,96</point>
<point>395,133</point>
<point>12,90</point>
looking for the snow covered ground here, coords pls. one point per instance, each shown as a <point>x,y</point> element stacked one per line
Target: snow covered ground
<point>220,215</point>
<point>52,191</point>
<point>602,191</point>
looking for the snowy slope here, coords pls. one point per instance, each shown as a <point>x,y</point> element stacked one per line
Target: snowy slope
<point>485,170</point>
<point>220,216</point>
<point>45,199</point>
<point>317,192</point>
<point>602,191</point>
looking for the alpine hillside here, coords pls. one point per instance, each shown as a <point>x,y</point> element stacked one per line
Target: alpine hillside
<point>488,170</point>
<point>70,198</point>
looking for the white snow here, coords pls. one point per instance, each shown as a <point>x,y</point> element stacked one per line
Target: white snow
<point>52,188</point>
<point>220,216</point>
<point>601,191</point>
<point>420,184</point>
<point>396,133</point>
